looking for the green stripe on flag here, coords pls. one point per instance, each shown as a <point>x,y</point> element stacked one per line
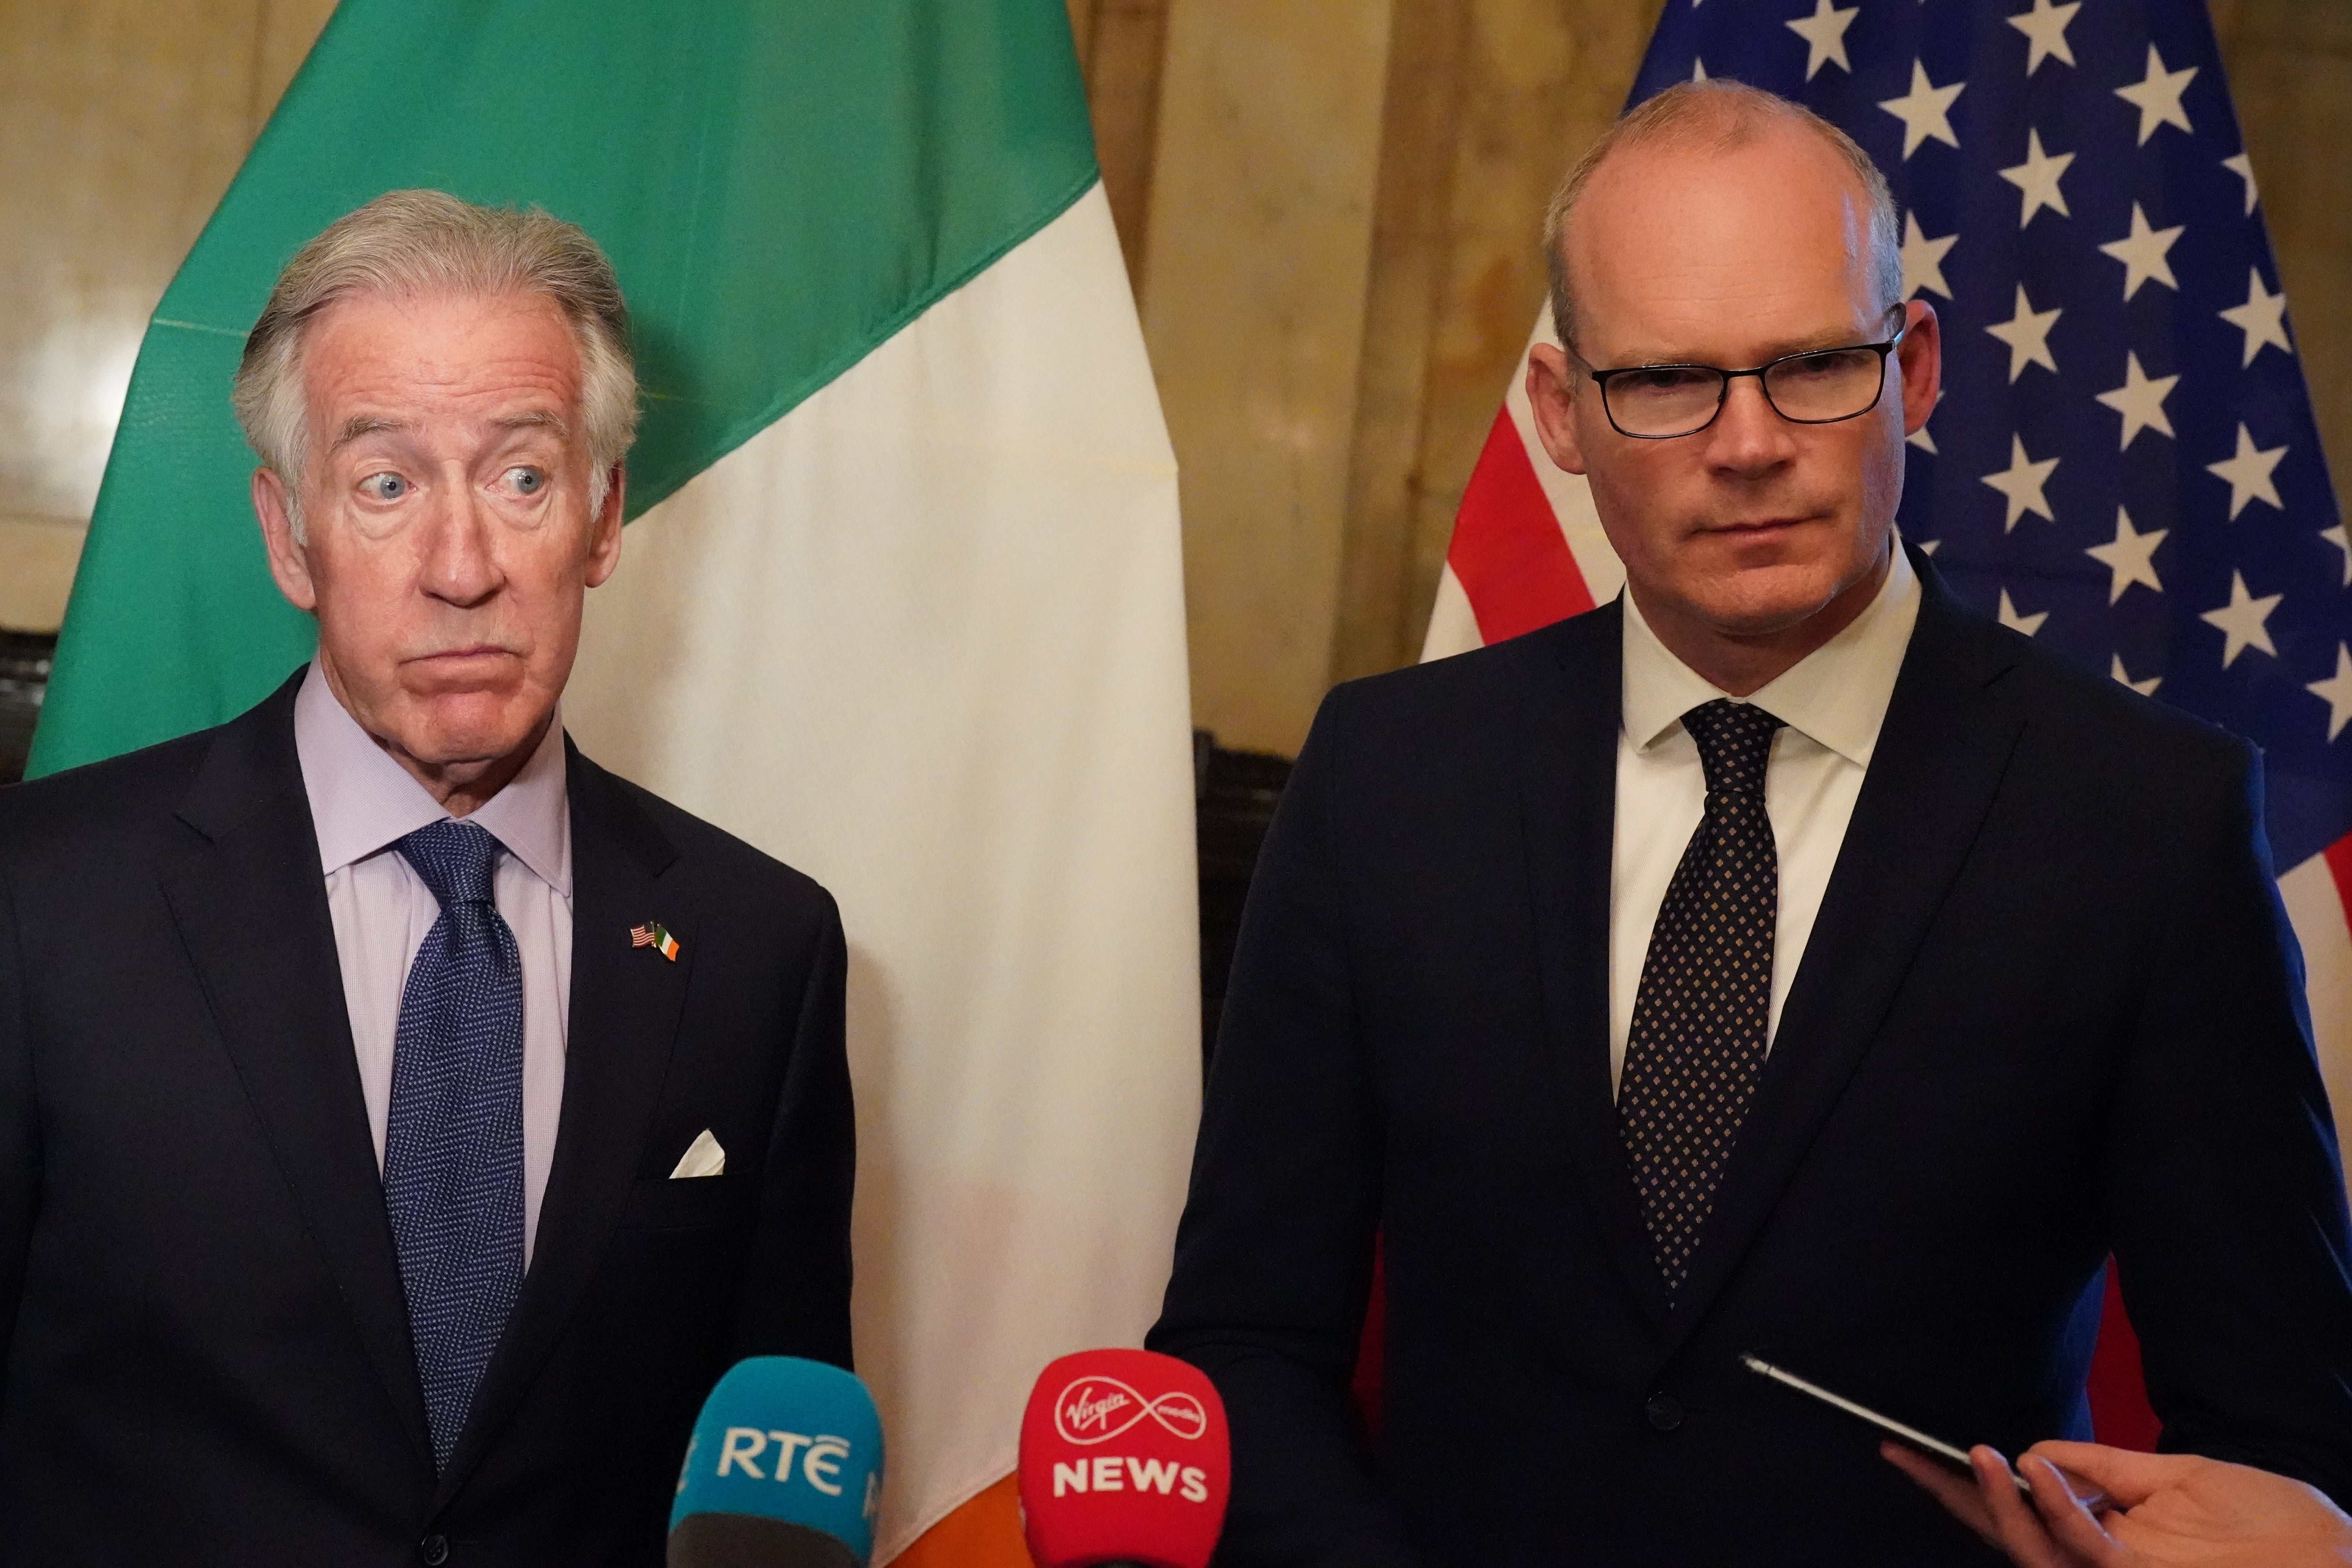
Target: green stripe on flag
<point>782,186</point>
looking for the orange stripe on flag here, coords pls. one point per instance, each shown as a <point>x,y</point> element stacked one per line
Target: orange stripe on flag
<point>1507,549</point>
<point>985,1533</point>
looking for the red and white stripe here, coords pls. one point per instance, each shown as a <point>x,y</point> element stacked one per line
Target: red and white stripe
<point>1528,547</point>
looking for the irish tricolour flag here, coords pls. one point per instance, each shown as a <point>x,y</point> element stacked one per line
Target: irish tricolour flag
<point>902,604</point>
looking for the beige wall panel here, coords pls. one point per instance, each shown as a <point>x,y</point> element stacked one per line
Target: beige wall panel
<point>1540,81</point>
<point>1410,234</point>
<point>289,28</point>
<point>120,123</point>
<point>1121,45</point>
<point>37,563</point>
<point>1260,244</point>
<point>2291,74</point>
<point>1527,84</point>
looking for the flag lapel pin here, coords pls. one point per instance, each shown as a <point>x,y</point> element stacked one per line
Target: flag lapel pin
<point>657,936</point>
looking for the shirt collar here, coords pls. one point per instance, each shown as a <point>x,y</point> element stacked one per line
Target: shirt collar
<point>1836,694</point>
<point>362,800</point>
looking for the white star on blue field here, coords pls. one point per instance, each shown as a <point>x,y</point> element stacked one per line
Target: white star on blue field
<point>2125,464</point>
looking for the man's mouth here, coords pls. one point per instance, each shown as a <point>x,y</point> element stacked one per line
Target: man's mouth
<point>464,668</point>
<point>1749,526</point>
<point>477,650</point>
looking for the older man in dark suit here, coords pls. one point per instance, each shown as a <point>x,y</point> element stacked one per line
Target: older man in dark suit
<point>1782,958</point>
<point>403,1121</point>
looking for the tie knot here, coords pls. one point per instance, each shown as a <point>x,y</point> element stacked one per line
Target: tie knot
<point>455,860</point>
<point>1735,743</point>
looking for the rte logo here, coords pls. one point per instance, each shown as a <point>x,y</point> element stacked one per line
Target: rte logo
<point>820,1456</point>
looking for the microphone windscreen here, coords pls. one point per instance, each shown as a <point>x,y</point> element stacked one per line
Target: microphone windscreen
<point>1124,1458</point>
<point>784,1470</point>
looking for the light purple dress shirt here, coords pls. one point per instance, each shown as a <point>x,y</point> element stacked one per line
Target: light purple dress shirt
<point>360,803</point>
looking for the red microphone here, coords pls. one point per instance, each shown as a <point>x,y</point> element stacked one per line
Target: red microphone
<point>1124,1461</point>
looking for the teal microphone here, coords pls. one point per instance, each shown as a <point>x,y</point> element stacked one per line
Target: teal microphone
<point>784,1470</point>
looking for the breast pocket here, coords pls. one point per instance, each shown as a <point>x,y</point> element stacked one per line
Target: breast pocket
<point>685,1203</point>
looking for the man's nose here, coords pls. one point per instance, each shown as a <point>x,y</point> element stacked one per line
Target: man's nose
<point>1748,435</point>
<point>460,565</point>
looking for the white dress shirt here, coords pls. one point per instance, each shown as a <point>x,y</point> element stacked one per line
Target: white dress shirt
<point>360,802</point>
<point>1831,702</point>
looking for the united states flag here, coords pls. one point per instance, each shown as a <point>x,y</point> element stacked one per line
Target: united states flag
<point>2125,464</point>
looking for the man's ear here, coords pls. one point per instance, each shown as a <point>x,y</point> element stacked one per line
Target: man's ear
<point>604,529</point>
<point>1921,355</point>
<point>1550,383</point>
<point>289,563</point>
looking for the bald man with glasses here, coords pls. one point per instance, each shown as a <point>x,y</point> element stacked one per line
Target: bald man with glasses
<point>1782,959</point>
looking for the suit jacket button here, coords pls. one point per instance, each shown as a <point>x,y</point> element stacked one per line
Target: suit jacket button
<point>1664,1411</point>
<point>434,1550</point>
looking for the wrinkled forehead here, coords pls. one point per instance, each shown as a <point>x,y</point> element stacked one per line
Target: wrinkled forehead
<point>382,359</point>
<point>1684,232</point>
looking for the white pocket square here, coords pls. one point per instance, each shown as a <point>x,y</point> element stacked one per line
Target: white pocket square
<point>703,1157</point>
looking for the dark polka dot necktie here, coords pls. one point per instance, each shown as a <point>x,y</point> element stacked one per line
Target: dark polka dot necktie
<point>453,1137</point>
<point>1700,1017</point>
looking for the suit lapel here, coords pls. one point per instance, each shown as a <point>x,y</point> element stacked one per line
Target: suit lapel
<point>251,908</point>
<point>626,1004</point>
<point>1941,754</point>
<point>1567,782</point>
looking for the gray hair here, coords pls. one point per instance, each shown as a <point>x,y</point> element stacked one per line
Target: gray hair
<point>1721,115</point>
<point>411,243</point>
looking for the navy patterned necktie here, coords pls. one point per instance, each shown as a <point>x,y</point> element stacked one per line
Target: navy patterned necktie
<point>453,1140</point>
<point>1701,1017</point>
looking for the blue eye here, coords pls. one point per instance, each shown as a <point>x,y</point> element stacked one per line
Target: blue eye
<point>527,482</point>
<point>384,487</point>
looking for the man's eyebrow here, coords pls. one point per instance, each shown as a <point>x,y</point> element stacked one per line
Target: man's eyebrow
<point>1838,338</point>
<point>544,419</point>
<point>364,425</point>
<point>1810,342</point>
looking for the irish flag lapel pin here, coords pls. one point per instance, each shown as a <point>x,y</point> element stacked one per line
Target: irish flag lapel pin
<point>654,935</point>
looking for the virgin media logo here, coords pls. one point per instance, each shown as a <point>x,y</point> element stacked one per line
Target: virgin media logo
<point>1096,1409</point>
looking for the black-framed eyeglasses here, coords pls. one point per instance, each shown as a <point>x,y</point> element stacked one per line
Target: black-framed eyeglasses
<point>1817,386</point>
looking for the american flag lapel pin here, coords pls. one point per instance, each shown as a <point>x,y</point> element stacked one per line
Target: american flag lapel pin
<point>657,936</point>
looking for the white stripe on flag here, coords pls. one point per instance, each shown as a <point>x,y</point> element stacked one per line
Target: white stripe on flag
<point>1452,625</point>
<point>924,638</point>
<point>2315,905</point>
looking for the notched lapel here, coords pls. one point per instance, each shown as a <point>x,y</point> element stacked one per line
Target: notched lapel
<point>625,1004</point>
<point>1568,783</point>
<point>1946,744</point>
<point>251,906</point>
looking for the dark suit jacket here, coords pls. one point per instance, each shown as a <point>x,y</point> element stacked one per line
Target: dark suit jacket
<point>2050,1008</point>
<point>207,1357</point>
